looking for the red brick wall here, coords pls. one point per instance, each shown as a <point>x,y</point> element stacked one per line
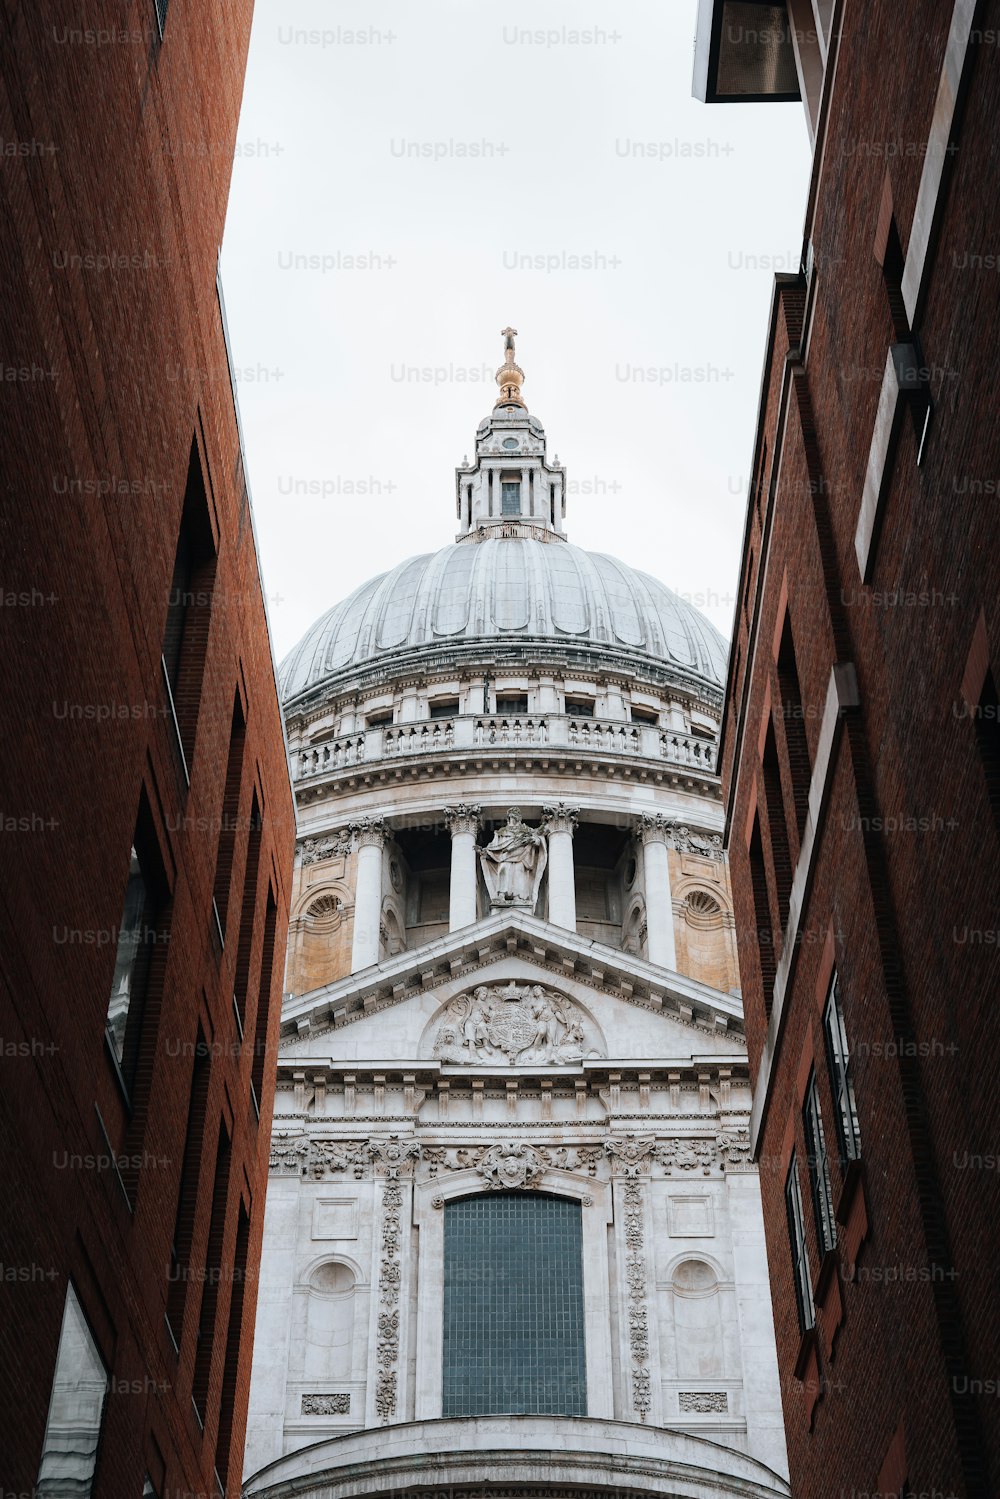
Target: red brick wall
<point>121,148</point>
<point>906,874</point>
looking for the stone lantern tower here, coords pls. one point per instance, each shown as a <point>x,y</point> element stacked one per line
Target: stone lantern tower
<point>512,1232</point>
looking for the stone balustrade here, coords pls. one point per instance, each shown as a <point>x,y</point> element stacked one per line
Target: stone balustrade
<point>482,732</point>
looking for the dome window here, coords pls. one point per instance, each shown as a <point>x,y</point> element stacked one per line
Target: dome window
<point>511,444</point>
<point>643,715</point>
<point>580,707</point>
<point>512,706</point>
<point>444,707</point>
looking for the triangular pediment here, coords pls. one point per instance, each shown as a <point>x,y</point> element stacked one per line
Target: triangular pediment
<point>600,1004</point>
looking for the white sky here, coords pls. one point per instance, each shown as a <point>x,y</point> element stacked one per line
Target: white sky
<point>698,227</point>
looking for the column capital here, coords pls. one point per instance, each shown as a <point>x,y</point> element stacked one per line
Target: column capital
<point>463,817</point>
<point>369,832</point>
<point>560,818</point>
<point>653,827</point>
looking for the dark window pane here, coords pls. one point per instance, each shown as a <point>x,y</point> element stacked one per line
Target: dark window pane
<point>797,1241</point>
<point>841,1080</point>
<point>819,1169</point>
<point>513,1306</point>
<point>510,499</point>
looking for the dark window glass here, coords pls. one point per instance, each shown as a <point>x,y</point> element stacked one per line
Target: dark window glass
<point>76,1410</point>
<point>512,705</point>
<point>762,917</point>
<point>580,707</point>
<point>187,1194</point>
<point>189,608</point>
<point>234,1336</point>
<point>248,913</point>
<point>797,1240</point>
<point>230,815</point>
<point>793,718</point>
<point>264,1000</point>
<point>841,1080</point>
<point>141,952</point>
<point>210,1279</point>
<point>380,719</point>
<point>777,826</point>
<point>510,498</point>
<point>988,740</point>
<point>819,1169</point>
<point>444,707</point>
<point>643,715</point>
<point>513,1306</point>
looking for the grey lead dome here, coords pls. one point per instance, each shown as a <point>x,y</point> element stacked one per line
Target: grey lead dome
<point>505,589</point>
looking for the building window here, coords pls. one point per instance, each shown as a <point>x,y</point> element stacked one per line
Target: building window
<point>510,497</point>
<point>511,706</point>
<point>160,7</point>
<point>189,608</point>
<point>797,1240</point>
<point>141,934</point>
<point>444,707</point>
<point>841,1077</point>
<point>580,707</point>
<point>379,720</point>
<point>248,914</point>
<point>819,1168</point>
<point>988,741</point>
<point>777,826</point>
<point>796,743</point>
<point>187,1193</point>
<point>762,917</point>
<point>76,1409</point>
<point>230,816</point>
<point>264,1001</point>
<point>234,1343</point>
<point>513,1306</point>
<point>643,715</point>
<point>211,1276</point>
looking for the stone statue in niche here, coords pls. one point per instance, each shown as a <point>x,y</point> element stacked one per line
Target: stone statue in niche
<point>524,1025</point>
<point>513,862</point>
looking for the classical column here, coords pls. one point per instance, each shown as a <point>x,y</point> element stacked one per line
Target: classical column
<point>463,823</point>
<point>526,492</point>
<point>370,835</point>
<point>560,822</point>
<point>655,834</point>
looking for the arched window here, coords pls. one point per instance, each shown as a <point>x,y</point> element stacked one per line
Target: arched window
<point>513,1306</point>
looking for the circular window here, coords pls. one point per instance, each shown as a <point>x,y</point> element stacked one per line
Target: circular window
<point>629,874</point>
<point>511,444</point>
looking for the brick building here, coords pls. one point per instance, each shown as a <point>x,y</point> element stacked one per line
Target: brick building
<point>860,743</point>
<point>147,821</point>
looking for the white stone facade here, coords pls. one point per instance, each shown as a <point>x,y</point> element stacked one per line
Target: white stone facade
<point>509,892</point>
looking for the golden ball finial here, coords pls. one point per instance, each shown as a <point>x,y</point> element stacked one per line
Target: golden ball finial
<point>510,375</point>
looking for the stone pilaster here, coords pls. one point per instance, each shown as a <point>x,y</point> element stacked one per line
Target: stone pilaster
<point>655,834</point>
<point>370,835</point>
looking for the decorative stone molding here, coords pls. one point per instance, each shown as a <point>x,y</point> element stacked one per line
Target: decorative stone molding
<point>688,841</point>
<point>560,818</point>
<point>303,1155</point>
<point>338,1404</point>
<point>369,832</point>
<point>463,817</point>
<point>331,846</point>
<point>687,1155</point>
<point>520,1024</point>
<point>734,1150</point>
<point>630,1155</point>
<point>652,827</point>
<point>394,1157</point>
<point>635,1297</point>
<point>511,1167</point>
<point>390,1279</point>
<point>702,1402</point>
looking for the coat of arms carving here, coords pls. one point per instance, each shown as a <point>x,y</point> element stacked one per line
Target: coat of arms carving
<point>524,1025</point>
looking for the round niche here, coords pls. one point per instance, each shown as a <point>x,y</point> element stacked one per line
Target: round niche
<point>333,1278</point>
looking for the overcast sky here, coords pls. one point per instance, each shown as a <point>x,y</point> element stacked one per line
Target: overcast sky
<point>542,165</point>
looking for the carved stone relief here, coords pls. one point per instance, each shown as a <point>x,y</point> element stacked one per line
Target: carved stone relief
<point>330,846</point>
<point>703,1401</point>
<point>635,1298</point>
<point>523,1025</point>
<point>338,1404</point>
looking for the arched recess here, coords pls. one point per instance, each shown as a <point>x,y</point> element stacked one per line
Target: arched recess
<point>392,931</point>
<point>634,927</point>
<point>329,1320</point>
<point>696,1296</point>
<point>318,937</point>
<point>705,933</point>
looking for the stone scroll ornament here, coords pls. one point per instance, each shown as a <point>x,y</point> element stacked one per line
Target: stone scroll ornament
<point>513,863</point>
<point>522,1024</point>
<point>392,1159</point>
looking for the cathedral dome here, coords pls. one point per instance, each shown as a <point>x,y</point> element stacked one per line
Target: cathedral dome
<point>506,589</point>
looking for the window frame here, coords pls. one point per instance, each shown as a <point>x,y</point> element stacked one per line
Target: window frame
<point>838,1058</point>
<point>801,1274</point>
<point>818,1166</point>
